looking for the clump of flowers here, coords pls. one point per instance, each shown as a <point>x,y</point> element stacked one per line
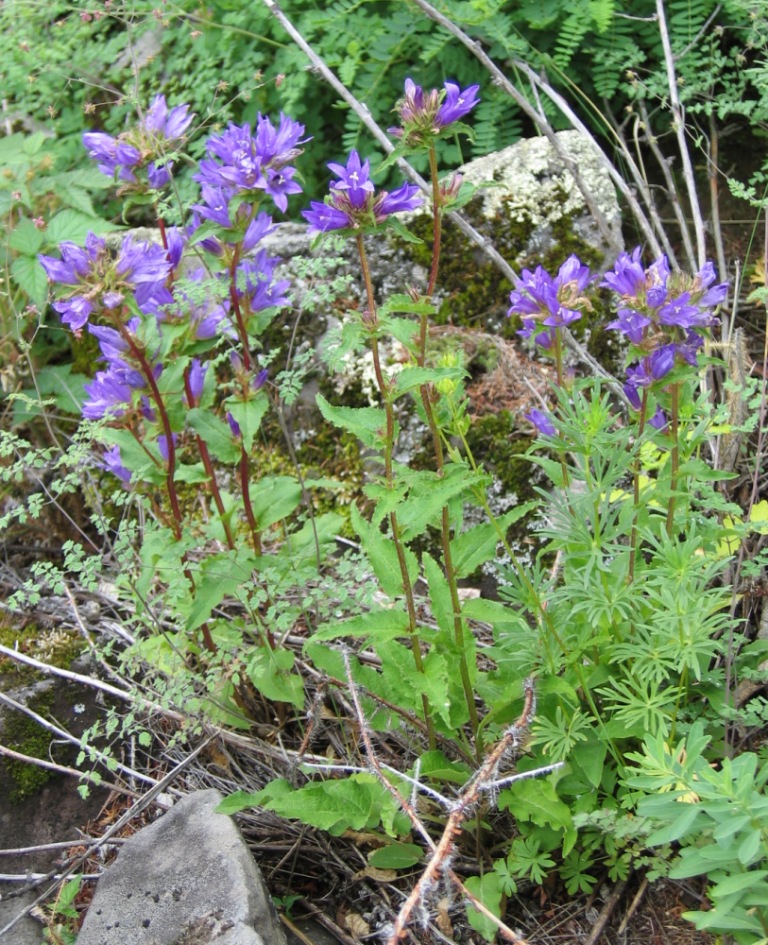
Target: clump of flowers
<point>353,203</point>
<point>663,315</point>
<point>243,162</point>
<point>143,147</point>
<point>424,116</point>
<point>553,303</point>
<point>95,280</point>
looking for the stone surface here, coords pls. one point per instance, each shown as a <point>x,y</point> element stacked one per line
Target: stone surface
<point>187,879</point>
<point>533,186</point>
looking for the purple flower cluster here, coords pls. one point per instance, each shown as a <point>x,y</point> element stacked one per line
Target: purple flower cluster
<point>353,202</point>
<point>160,131</point>
<point>662,314</point>
<point>240,162</point>
<point>96,281</point>
<point>553,303</point>
<point>110,393</point>
<point>425,115</point>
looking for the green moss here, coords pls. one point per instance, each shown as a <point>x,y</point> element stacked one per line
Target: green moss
<point>476,294</point>
<point>24,735</point>
<point>55,646</point>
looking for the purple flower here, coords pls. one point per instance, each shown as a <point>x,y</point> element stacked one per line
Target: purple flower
<point>681,313</point>
<point>162,445</point>
<point>659,420</point>
<point>145,145</point>
<point>112,462</point>
<point>243,162</point>
<point>234,426</point>
<point>425,115</point>
<point>169,126</point>
<point>542,421</point>
<point>258,284</point>
<point>631,323</point>
<point>457,103</point>
<point>108,396</point>
<point>353,202</point>
<point>196,377</point>
<point>628,277</point>
<point>94,280</point>
<point>353,180</point>
<point>112,155</point>
<point>552,302</point>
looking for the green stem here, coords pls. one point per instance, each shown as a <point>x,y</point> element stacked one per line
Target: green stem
<point>209,470</point>
<point>675,434</point>
<point>636,486</point>
<point>445,526</point>
<point>384,390</point>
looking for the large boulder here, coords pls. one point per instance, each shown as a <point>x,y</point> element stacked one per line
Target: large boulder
<point>188,877</point>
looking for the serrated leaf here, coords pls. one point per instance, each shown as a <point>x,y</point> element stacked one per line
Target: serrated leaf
<point>380,625</point>
<point>30,277</point>
<point>477,545</point>
<point>534,800</point>
<point>412,377</point>
<point>215,433</point>
<point>382,555</point>
<point>275,498</point>
<point>368,424</point>
<point>218,576</point>
<point>248,416</point>
<point>25,238</point>
<point>353,803</point>
<point>428,495</point>
<point>74,226</point>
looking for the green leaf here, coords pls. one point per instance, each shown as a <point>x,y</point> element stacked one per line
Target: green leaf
<point>240,800</point>
<point>215,433</point>
<point>378,624</point>
<point>353,803</point>
<point>275,498</point>
<point>399,228</point>
<point>590,755</point>
<point>396,856</point>
<point>429,493</point>
<point>738,882</point>
<point>412,377</point>
<point>270,672</point>
<point>30,277</point>
<point>382,554</point>
<point>439,593</point>
<point>248,416</point>
<point>535,800</point>
<point>74,226</point>
<point>679,828</point>
<point>477,545</point>
<point>437,767</point>
<point>489,889</point>
<point>405,304</point>
<point>26,238</point>
<point>368,424</point>
<point>219,576</point>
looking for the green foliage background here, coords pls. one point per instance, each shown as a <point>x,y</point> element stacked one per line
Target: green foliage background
<point>69,67</point>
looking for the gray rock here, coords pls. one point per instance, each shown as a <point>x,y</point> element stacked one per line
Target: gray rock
<point>187,879</point>
<point>532,185</point>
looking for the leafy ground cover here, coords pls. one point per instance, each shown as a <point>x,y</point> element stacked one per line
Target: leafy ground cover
<point>598,722</point>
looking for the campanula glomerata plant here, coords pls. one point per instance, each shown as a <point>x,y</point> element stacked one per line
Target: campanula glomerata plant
<point>619,622</point>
